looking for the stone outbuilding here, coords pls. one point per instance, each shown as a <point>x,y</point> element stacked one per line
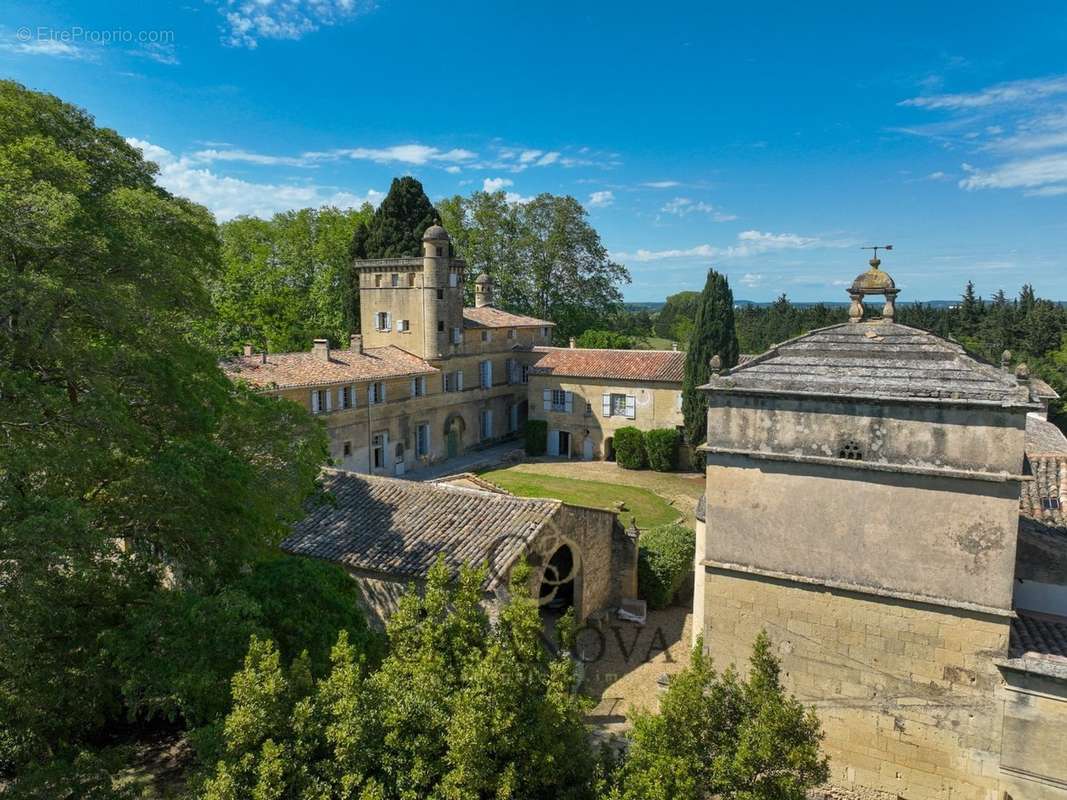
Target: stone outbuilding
<point>863,507</point>
<point>387,533</point>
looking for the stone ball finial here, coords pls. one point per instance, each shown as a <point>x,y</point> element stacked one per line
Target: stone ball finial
<point>1022,373</point>
<point>715,363</point>
<point>1005,359</point>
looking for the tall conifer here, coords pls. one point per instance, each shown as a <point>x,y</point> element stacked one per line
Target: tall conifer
<point>713,335</point>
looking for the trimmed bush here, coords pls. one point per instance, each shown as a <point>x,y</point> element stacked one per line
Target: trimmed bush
<point>662,448</point>
<point>536,433</point>
<point>630,448</point>
<point>664,561</point>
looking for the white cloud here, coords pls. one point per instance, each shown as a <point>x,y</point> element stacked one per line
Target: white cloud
<point>601,199</point>
<point>160,52</point>
<point>661,184</point>
<point>938,176</point>
<point>1042,176</point>
<point>417,154</point>
<point>453,170</point>
<point>515,197</point>
<point>249,21</point>
<point>251,158</point>
<point>495,184</point>
<point>749,243</point>
<point>751,279</point>
<point>1000,94</point>
<point>512,159</point>
<point>231,197</point>
<point>683,206</point>
<point>50,47</point>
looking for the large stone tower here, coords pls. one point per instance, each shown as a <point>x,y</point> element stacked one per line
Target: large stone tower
<point>862,508</point>
<point>414,303</point>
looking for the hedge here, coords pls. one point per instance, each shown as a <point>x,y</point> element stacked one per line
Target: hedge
<point>664,561</point>
<point>536,433</point>
<point>662,448</point>
<point>630,448</point>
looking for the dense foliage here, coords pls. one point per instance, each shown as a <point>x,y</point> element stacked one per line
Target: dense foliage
<point>604,340</point>
<point>536,437</point>
<point>287,280</point>
<point>544,257</point>
<point>629,445</point>
<point>460,708</point>
<point>718,735</point>
<point>676,319</point>
<point>664,562</point>
<point>661,445</point>
<point>395,230</point>
<point>138,485</point>
<point>713,335</point>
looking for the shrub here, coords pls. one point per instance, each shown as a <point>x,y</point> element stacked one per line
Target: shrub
<point>664,560</point>
<point>630,448</point>
<point>662,448</point>
<point>604,340</point>
<point>536,437</point>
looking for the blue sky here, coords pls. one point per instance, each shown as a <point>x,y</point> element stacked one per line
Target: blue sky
<point>770,140</point>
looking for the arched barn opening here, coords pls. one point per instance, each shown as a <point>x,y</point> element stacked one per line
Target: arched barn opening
<point>559,582</point>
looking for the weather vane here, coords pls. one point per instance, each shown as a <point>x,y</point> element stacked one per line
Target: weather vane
<point>876,247</point>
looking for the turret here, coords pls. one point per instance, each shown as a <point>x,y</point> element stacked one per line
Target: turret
<point>483,291</point>
<point>435,259</point>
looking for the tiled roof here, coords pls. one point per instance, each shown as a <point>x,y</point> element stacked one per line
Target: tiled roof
<point>489,317</point>
<point>876,359</point>
<point>1040,636</point>
<point>398,527</point>
<point>1044,437</point>
<point>287,370</point>
<point>666,366</point>
<point>1049,484</point>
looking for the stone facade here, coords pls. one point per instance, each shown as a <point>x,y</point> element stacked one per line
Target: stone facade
<point>862,507</point>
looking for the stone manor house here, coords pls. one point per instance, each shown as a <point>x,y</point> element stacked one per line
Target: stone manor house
<point>427,379</point>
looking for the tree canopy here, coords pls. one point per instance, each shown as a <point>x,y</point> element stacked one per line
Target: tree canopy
<point>131,468</point>
<point>545,259</point>
<point>713,335</point>
<point>396,229</point>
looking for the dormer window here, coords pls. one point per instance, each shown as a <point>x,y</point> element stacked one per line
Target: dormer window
<point>1051,503</point>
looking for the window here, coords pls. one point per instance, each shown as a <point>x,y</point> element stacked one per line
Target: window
<point>525,373</point>
<point>513,418</point>
<point>486,372</point>
<point>544,333</point>
<point>411,279</point>
<point>620,405</point>
<point>378,280</point>
<point>453,381</point>
<point>1050,503</point>
<point>679,401</point>
<point>558,400</point>
<point>378,450</point>
<point>440,251</point>
<point>511,370</point>
<point>382,322</point>
<point>394,280</point>
<point>485,335</point>
<point>440,326</point>
<point>376,393</point>
<point>588,408</point>
<point>347,449</point>
<point>440,294</point>
<point>346,397</point>
<point>320,401</point>
<point>487,424</point>
<point>422,439</point>
<point>453,280</point>
<point>418,386</point>
<point>457,336</point>
<point>404,326</point>
<point>511,333</point>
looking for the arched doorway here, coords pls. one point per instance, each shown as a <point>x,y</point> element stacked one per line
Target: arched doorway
<point>454,427</point>
<point>560,582</point>
<point>609,449</point>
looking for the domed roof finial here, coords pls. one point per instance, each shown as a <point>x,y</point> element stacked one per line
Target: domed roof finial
<point>873,281</point>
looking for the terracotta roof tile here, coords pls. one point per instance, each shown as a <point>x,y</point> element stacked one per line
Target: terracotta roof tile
<point>1043,499</point>
<point>398,527</point>
<point>490,317</point>
<point>287,370</point>
<point>1041,551</point>
<point>666,366</point>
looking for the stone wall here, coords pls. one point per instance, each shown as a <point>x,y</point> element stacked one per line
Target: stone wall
<point>1034,755</point>
<point>906,692</point>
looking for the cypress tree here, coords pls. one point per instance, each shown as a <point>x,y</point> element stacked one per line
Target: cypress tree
<point>713,335</point>
<point>398,225</point>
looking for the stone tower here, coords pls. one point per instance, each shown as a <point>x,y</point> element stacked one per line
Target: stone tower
<point>483,291</point>
<point>862,508</point>
<point>414,303</point>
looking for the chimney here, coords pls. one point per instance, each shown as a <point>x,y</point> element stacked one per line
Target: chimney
<point>355,343</point>
<point>572,343</point>
<point>674,346</point>
<point>248,349</point>
<point>320,348</point>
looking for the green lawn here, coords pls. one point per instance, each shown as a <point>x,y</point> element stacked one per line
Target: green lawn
<point>654,343</point>
<point>647,508</point>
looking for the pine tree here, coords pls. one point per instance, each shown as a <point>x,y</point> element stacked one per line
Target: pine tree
<point>713,335</point>
<point>398,225</point>
<point>970,311</point>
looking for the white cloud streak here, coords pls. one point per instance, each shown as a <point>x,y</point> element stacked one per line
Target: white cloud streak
<point>601,199</point>
<point>683,206</point>
<point>749,243</point>
<point>1001,94</point>
<point>247,22</point>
